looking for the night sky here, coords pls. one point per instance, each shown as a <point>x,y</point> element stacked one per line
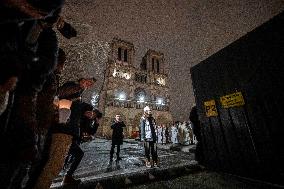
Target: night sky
<point>187,32</point>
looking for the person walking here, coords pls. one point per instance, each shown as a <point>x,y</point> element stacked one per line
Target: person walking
<point>117,137</point>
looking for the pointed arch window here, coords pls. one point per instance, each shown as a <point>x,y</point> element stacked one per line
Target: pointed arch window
<point>125,55</point>
<point>158,66</point>
<point>119,53</point>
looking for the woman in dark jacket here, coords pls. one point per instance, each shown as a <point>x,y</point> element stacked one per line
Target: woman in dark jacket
<point>117,136</point>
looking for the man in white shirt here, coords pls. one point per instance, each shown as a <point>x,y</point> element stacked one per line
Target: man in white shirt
<point>148,135</point>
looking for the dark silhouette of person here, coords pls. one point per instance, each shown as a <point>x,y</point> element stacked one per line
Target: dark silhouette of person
<point>193,117</point>
<point>117,137</point>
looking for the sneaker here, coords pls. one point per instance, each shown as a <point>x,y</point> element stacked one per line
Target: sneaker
<point>148,164</point>
<point>69,180</point>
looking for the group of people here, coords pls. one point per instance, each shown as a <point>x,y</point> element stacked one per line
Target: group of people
<point>151,134</point>
<point>41,122</point>
<point>147,133</point>
<point>182,133</point>
<point>178,133</point>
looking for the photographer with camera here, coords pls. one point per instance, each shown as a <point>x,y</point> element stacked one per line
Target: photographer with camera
<point>43,171</point>
<point>72,112</point>
<point>89,123</point>
<point>117,137</point>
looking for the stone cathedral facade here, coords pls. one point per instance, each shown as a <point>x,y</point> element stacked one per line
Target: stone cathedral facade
<point>128,89</point>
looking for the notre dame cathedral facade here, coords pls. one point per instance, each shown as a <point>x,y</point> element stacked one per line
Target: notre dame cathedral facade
<point>128,89</point>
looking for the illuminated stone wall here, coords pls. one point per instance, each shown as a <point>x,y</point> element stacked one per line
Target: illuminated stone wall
<point>124,93</point>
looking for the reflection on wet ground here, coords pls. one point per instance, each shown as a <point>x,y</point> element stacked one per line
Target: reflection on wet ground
<point>95,163</point>
<point>177,170</point>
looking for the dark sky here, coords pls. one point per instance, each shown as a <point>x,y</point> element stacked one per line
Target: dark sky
<point>186,31</point>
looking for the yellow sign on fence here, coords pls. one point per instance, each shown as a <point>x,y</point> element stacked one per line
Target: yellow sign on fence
<point>210,108</point>
<point>232,100</point>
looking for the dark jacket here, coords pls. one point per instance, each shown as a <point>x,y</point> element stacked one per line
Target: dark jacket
<point>70,90</point>
<point>117,133</point>
<point>88,125</point>
<point>193,117</point>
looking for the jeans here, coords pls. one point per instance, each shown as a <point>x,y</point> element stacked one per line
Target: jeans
<point>151,147</point>
<point>112,151</point>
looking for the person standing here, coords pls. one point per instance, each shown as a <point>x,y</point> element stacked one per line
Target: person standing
<point>159,134</point>
<point>196,127</point>
<point>167,134</point>
<point>149,137</point>
<point>117,137</point>
<point>174,137</point>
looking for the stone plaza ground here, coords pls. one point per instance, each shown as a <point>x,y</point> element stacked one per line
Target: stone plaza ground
<point>178,169</point>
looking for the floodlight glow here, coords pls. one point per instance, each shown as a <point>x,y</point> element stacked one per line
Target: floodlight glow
<point>122,96</point>
<point>141,98</point>
<point>159,101</point>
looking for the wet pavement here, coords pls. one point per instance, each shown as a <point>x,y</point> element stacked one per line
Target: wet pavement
<point>177,170</point>
<point>206,180</point>
<point>95,165</point>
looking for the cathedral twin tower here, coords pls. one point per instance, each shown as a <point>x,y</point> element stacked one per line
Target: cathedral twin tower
<point>128,89</point>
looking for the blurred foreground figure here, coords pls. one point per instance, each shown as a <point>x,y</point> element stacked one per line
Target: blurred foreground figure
<point>89,122</point>
<point>28,42</point>
<point>8,82</point>
<point>53,141</point>
<point>16,22</point>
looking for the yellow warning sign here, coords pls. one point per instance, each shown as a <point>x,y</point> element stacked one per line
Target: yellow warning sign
<point>232,100</point>
<point>210,108</point>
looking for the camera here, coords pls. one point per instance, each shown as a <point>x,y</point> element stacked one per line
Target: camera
<point>66,29</point>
